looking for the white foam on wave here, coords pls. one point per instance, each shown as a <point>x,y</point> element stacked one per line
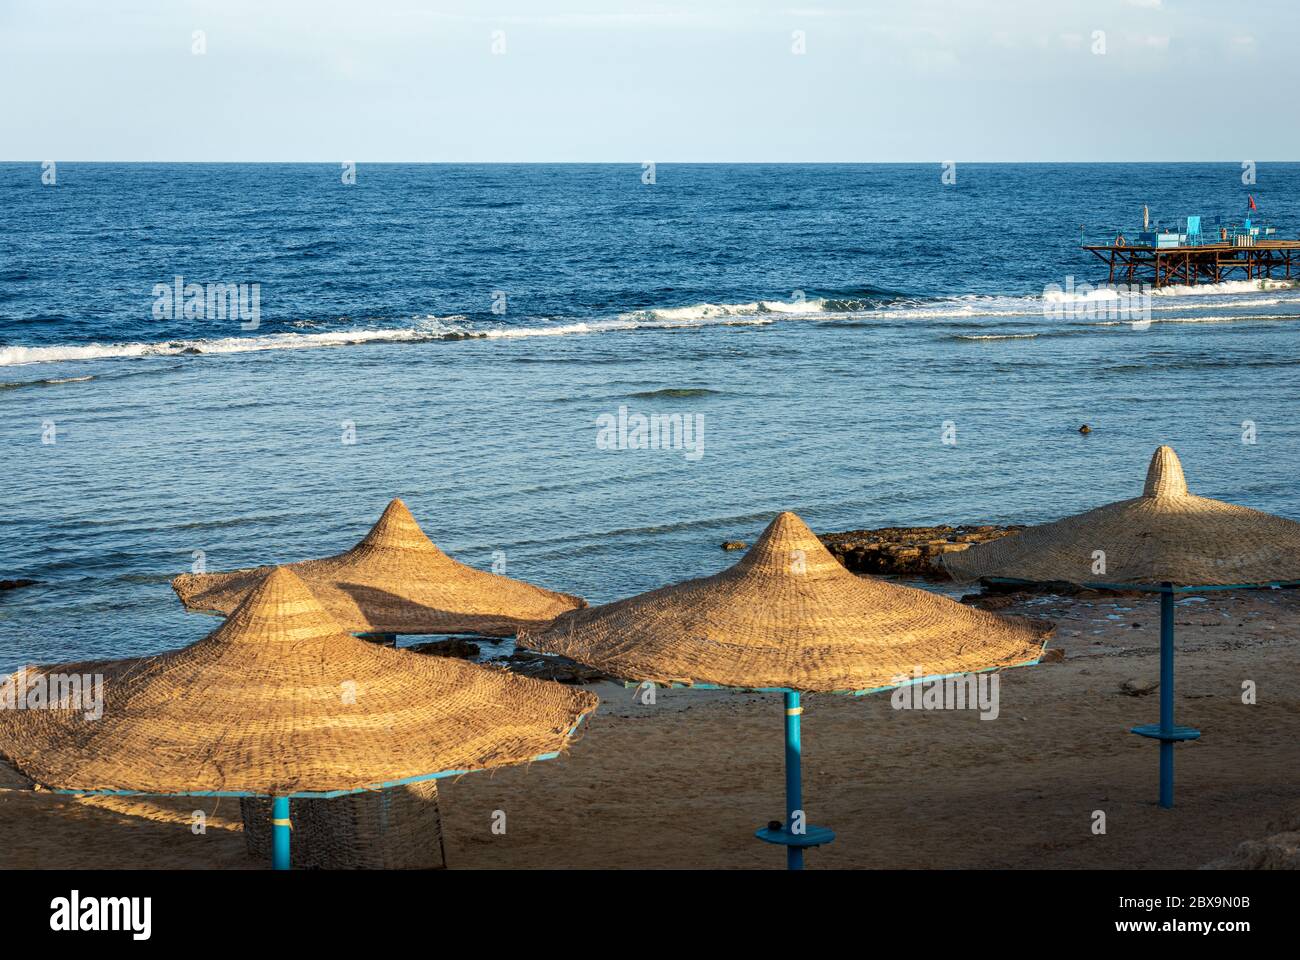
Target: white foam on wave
<point>973,307</point>
<point>792,306</point>
<point>1226,287</point>
<point>997,336</point>
<point>1215,318</point>
<point>698,312</point>
<point>45,382</point>
<point>422,330</point>
<point>1094,295</point>
<point>620,323</point>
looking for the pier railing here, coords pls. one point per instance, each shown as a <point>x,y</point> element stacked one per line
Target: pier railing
<point>1175,239</point>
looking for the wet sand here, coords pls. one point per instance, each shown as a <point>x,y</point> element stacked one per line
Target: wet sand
<point>684,783</point>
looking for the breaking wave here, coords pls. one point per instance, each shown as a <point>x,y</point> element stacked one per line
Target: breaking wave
<point>870,307</point>
<point>996,336</point>
<point>15,356</point>
<point>42,382</point>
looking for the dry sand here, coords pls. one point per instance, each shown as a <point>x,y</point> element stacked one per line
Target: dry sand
<point>684,783</point>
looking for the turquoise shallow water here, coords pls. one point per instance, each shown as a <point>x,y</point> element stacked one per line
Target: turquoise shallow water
<point>182,436</point>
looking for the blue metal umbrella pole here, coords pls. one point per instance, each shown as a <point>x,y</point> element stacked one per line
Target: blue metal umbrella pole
<point>793,776</point>
<point>280,827</point>
<point>1165,731</point>
<point>795,833</point>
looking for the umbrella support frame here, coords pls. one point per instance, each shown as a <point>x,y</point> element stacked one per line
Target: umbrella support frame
<point>794,834</point>
<point>280,829</point>
<point>1166,732</point>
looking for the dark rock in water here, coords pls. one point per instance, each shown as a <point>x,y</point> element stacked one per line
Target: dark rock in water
<point>994,601</point>
<point>734,545</point>
<point>1085,429</point>
<point>1061,588</point>
<point>15,584</point>
<point>906,551</point>
<point>452,647</point>
<point>541,666</point>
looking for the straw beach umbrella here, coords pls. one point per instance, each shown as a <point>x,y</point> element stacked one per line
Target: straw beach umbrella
<point>1167,540</point>
<point>789,618</point>
<point>396,581</point>
<point>280,702</point>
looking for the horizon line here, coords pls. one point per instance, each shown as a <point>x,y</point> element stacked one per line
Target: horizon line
<point>657,163</point>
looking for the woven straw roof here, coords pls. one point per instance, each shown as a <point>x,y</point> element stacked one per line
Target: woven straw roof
<point>1165,535</point>
<point>280,700</point>
<point>788,615</point>
<point>396,581</point>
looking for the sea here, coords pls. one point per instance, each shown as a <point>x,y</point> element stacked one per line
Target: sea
<point>233,364</point>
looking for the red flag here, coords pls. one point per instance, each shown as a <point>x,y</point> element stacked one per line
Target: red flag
<point>1252,202</point>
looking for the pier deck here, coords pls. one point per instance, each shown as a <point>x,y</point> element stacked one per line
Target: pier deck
<point>1201,263</point>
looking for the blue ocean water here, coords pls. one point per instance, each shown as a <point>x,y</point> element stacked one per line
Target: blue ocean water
<point>829,325</point>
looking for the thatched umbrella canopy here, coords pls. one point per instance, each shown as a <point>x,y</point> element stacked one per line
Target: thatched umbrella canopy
<point>789,617</point>
<point>1169,540</point>
<point>280,701</point>
<point>1167,535</point>
<point>396,581</point>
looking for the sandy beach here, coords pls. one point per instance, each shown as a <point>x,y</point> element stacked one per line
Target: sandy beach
<point>685,782</point>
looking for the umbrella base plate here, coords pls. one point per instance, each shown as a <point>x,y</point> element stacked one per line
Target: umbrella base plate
<point>1172,735</point>
<point>812,837</point>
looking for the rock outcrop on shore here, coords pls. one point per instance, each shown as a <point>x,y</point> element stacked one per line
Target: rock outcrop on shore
<point>451,647</point>
<point>1280,851</point>
<point>542,666</point>
<point>907,551</point>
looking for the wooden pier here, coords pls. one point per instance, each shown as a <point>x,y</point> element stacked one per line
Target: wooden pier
<point>1164,266</point>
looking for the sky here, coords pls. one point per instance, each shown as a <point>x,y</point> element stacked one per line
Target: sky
<point>630,81</point>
